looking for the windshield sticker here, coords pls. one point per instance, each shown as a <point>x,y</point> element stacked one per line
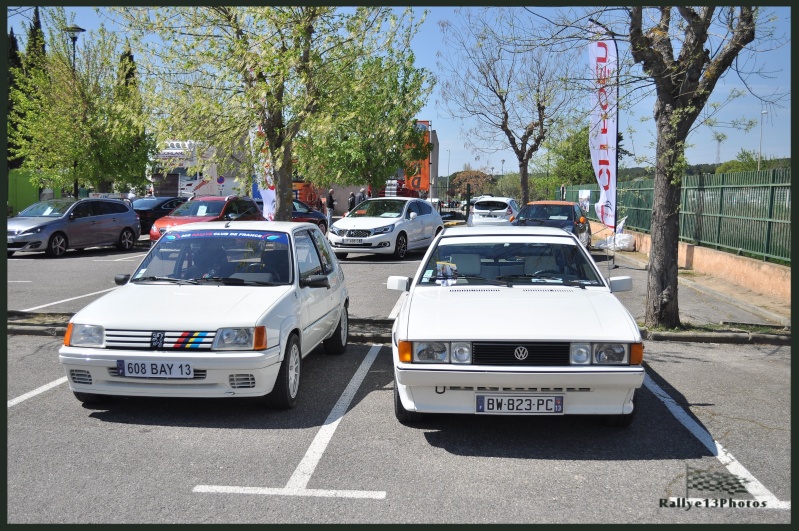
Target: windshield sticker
<point>446,273</point>
<point>278,237</point>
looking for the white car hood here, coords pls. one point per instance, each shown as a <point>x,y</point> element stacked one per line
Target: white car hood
<point>364,223</point>
<point>498,313</point>
<point>181,307</point>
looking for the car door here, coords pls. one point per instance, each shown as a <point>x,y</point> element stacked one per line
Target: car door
<point>428,218</point>
<point>109,217</point>
<point>315,302</point>
<point>335,276</point>
<point>414,227</point>
<point>82,225</point>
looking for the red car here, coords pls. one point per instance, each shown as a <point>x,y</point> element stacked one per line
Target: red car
<point>208,208</point>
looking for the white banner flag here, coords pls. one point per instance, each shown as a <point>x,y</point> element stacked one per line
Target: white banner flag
<point>264,179</point>
<point>603,128</point>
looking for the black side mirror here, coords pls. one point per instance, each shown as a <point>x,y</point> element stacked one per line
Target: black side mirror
<point>121,280</point>
<point>315,281</point>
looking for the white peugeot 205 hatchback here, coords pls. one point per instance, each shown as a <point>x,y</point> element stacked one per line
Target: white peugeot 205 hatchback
<point>213,310</point>
<point>514,321</point>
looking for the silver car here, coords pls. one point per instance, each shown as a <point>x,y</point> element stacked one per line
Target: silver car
<point>489,210</point>
<point>56,225</point>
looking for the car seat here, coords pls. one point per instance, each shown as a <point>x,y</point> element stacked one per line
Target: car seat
<point>468,264</point>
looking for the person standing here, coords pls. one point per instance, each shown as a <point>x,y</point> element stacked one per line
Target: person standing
<point>330,202</point>
<point>360,197</point>
<point>351,201</point>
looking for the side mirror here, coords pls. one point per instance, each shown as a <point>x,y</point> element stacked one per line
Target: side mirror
<point>399,283</point>
<point>71,216</point>
<point>121,280</point>
<point>230,216</point>
<point>413,216</point>
<point>315,281</point>
<point>620,284</point>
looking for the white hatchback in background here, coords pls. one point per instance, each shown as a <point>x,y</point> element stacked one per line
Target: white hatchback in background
<point>514,321</point>
<point>493,211</point>
<point>386,225</point>
<point>213,310</point>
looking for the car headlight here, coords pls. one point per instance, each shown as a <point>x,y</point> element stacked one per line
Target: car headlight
<point>383,230</point>
<point>337,231</point>
<point>580,354</point>
<point>82,335</point>
<point>431,352</point>
<point>253,338</point>
<point>461,352</point>
<point>610,353</point>
<point>34,230</point>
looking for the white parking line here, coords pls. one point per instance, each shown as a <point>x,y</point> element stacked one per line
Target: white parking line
<point>299,480</point>
<point>10,281</point>
<point>42,389</point>
<point>67,300</point>
<point>755,488</point>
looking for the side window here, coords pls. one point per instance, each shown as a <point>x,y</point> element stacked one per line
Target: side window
<point>102,208</point>
<point>425,208</point>
<point>83,210</point>
<point>119,208</point>
<point>324,252</point>
<point>577,212</point>
<point>307,257</point>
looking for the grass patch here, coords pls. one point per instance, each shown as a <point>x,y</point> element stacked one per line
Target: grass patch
<point>723,327</point>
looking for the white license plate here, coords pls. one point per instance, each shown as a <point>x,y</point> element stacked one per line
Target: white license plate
<point>154,369</point>
<point>353,240</point>
<point>518,405</point>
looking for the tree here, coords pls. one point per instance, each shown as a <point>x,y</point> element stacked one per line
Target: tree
<point>72,123</point>
<point>244,81</point>
<point>478,182</point>
<point>514,94</point>
<point>371,131</point>
<point>14,69</point>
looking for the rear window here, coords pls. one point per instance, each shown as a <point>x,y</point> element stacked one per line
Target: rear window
<point>490,205</point>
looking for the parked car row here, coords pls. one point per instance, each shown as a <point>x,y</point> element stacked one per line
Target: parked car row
<point>487,327</point>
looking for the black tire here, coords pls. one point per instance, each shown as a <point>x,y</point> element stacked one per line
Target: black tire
<point>57,245</point>
<point>337,343</point>
<point>341,256</point>
<point>90,398</point>
<point>402,414</point>
<point>10,254</point>
<point>621,421</point>
<point>127,239</point>
<point>287,386</point>
<point>401,246</point>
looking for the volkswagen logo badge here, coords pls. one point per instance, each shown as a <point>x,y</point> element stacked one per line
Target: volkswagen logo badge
<point>520,353</point>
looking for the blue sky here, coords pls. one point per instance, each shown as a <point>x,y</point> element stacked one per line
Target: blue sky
<point>776,129</point>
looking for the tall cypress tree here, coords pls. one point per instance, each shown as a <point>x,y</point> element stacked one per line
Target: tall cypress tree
<point>14,69</point>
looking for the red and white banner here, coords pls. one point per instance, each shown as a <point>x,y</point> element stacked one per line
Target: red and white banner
<point>603,127</point>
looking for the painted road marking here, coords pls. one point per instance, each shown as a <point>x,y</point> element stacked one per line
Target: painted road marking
<point>42,389</point>
<point>297,484</point>
<point>755,488</point>
<point>67,300</point>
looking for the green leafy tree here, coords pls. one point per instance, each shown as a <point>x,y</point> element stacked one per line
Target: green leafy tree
<point>14,69</point>
<point>479,182</point>
<point>70,123</point>
<point>244,82</point>
<point>369,131</point>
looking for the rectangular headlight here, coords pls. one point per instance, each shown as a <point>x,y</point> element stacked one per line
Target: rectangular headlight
<point>610,353</point>
<point>83,335</point>
<point>253,338</point>
<point>431,352</point>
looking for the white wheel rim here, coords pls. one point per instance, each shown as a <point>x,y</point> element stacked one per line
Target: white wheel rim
<point>294,370</point>
<point>344,327</point>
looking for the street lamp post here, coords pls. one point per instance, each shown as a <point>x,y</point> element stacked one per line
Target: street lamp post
<point>503,167</point>
<point>73,32</point>
<point>760,153</point>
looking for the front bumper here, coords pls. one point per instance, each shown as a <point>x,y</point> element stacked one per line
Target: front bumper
<point>26,243</point>
<point>378,244</point>
<point>217,374</point>
<point>585,390</point>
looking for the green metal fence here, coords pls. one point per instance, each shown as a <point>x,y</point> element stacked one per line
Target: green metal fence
<point>736,212</point>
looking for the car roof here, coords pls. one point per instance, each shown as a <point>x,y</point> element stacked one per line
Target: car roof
<point>503,230</point>
<point>278,226</point>
<point>553,202</point>
<point>495,198</point>
<point>212,197</point>
<point>394,198</point>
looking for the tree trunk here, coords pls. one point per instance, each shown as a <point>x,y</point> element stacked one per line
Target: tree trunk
<point>525,182</point>
<point>662,308</point>
<point>283,187</point>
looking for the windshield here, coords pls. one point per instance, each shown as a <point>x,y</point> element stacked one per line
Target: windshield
<point>48,209</point>
<point>555,212</point>
<point>379,208</point>
<point>199,209</point>
<point>233,256</point>
<point>518,260</point>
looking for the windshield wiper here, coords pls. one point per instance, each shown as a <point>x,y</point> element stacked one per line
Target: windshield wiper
<point>232,281</point>
<point>165,279</point>
<point>566,282</point>
<point>492,281</point>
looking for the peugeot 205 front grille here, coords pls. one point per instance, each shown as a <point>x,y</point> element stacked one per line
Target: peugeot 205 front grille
<point>159,340</point>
